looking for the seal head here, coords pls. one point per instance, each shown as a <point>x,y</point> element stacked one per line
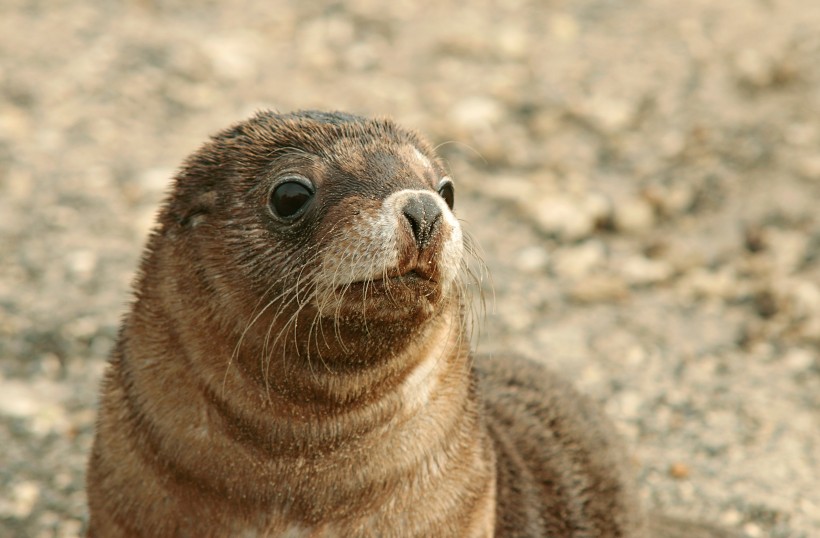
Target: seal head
<point>328,236</point>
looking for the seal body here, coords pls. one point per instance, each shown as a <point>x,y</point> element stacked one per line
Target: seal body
<point>295,362</point>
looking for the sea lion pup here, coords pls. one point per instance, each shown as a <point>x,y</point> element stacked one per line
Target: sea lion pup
<point>295,362</point>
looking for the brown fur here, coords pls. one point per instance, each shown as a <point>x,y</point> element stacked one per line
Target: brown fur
<point>260,388</point>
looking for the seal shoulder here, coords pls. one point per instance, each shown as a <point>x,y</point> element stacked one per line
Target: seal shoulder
<point>560,464</point>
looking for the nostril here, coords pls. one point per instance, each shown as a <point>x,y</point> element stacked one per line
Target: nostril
<point>422,212</point>
<point>415,221</point>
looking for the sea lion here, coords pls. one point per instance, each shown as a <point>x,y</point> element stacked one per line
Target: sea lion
<point>295,362</point>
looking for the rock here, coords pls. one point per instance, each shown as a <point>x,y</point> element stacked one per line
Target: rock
<point>599,289</point>
<point>509,189</point>
<point>788,249</point>
<point>22,498</point>
<point>809,167</point>
<point>633,216</point>
<point>476,113</point>
<point>155,182</point>
<point>578,261</point>
<point>532,259</point>
<point>639,270</point>
<point>679,471</point>
<point>231,56</point>
<point>564,27</point>
<point>561,217</point>
<point>82,264</point>
<point>800,359</point>
<point>714,284</point>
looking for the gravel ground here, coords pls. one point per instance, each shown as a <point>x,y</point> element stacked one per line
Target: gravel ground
<point>644,178</point>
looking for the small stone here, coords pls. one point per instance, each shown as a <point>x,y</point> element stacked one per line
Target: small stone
<point>561,217</point>
<point>70,528</point>
<point>564,27</point>
<point>753,68</point>
<point>801,295</point>
<point>598,207</point>
<point>788,249</point>
<point>577,262</point>
<point>809,167</point>
<point>509,189</point>
<point>598,289</point>
<point>24,496</point>
<point>155,181</point>
<point>718,283</point>
<point>82,328</point>
<point>634,216</point>
<point>801,134</point>
<point>752,530</point>
<point>800,360</point>
<point>82,263</point>
<point>512,43</point>
<point>533,259</point>
<point>476,113</point>
<point>672,143</point>
<point>628,405</point>
<point>231,57</point>
<point>639,270</point>
<point>731,517</point>
<point>679,471</point>
<point>670,201</point>
<point>609,114</point>
<point>17,400</point>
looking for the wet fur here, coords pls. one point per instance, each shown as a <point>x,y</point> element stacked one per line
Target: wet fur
<point>315,379</point>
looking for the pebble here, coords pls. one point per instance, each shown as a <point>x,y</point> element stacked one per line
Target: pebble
<point>154,182</point>
<point>752,530</point>
<point>609,114</point>
<point>638,270</point>
<point>801,296</point>
<point>753,68</point>
<point>809,167</point>
<point>719,283</point>
<point>232,57</point>
<point>599,289</point>
<point>509,189</point>
<point>82,263</point>
<point>561,217</point>
<point>679,471</point>
<point>634,216</point>
<point>800,359</point>
<point>24,496</point>
<point>788,249</point>
<point>564,27</point>
<point>578,261</point>
<point>533,259</point>
<point>476,113</point>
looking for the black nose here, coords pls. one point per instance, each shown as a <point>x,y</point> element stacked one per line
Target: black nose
<point>422,213</point>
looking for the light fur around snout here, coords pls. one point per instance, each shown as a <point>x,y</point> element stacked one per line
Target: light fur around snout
<point>377,242</point>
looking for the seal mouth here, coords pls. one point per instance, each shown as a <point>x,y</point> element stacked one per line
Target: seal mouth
<point>391,280</point>
<point>402,288</point>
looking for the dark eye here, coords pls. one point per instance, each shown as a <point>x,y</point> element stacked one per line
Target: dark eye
<point>445,189</point>
<point>289,198</point>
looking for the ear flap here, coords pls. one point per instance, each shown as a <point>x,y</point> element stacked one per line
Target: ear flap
<point>197,210</point>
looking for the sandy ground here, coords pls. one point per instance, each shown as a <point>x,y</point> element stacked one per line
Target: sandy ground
<point>644,178</point>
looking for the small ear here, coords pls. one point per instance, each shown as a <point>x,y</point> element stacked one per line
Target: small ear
<point>196,210</point>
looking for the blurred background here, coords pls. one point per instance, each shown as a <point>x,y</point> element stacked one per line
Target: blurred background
<point>643,177</point>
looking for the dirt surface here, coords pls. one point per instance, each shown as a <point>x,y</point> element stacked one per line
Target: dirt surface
<point>644,178</point>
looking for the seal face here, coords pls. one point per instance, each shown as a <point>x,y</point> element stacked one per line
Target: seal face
<point>337,232</point>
